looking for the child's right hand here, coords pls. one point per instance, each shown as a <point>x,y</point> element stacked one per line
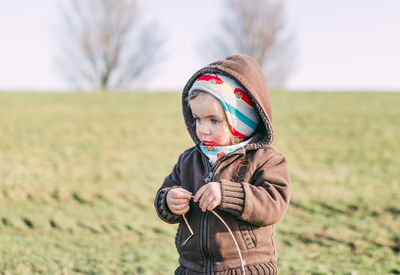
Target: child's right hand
<point>178,200</point>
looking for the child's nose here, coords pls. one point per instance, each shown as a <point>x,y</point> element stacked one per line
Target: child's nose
<point>205,129</point>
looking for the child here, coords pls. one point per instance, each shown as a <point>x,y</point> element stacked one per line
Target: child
<point>232,174</point>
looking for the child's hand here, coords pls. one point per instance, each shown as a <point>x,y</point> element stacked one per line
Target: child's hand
<point>178,200</point>
<point>209,196</point>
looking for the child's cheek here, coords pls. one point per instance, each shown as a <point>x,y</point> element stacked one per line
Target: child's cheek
<point>224,137</point>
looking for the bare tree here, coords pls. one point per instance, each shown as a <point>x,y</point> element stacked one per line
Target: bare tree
<point>257,28</point>
<point>107,44</point>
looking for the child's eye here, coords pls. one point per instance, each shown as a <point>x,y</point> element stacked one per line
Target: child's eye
<point>214,121</point>
<point>196,119</point>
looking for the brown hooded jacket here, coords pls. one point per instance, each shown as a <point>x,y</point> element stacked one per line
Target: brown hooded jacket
<point>255,187</point>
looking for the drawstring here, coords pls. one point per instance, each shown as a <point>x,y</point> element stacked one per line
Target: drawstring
<point>242,263</point>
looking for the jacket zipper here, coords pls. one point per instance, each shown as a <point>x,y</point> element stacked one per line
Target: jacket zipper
<point>205,224</point>
<point>205,220</point>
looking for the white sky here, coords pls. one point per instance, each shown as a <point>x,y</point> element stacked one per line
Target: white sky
<point>341,44</point>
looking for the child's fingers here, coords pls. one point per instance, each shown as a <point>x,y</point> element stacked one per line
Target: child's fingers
<point>205,201</point>
<point>182,194</point>
<point>180,206</point>
<point>182,211</point>
<point>212,205</point>
<point>179,201</point>
<point>176,199</point>
<point>209,196</point>
<point>200,193</point>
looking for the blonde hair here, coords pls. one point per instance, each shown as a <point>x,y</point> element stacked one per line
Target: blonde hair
<point>196,93</point>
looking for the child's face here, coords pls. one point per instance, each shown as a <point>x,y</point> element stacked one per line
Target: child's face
<point>211,125</point>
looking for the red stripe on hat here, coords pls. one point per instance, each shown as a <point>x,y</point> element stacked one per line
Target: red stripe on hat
<point>207,77</point>
<point>236,133</point>
<point>244,97</point>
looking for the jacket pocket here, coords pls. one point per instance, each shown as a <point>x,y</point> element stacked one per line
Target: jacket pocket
<point>183,236</point>
<point>248,236</point>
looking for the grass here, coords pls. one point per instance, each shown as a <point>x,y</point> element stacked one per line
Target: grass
<point>79,172</point>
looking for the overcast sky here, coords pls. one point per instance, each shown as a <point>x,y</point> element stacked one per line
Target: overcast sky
<point>341,44</point>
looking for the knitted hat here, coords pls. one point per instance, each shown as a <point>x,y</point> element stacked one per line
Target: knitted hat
<point>238,106</point>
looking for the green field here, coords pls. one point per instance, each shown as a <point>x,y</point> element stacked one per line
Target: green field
<point>79,171</point>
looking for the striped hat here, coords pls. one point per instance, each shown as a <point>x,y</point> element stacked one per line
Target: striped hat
<point>238,106</point>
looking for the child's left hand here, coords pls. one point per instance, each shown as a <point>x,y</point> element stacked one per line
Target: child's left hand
<point>209,196</point>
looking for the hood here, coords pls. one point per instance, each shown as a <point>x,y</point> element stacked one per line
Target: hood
<point>248,73</point>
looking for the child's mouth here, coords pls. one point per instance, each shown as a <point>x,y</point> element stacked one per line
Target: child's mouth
<point>209,143</point>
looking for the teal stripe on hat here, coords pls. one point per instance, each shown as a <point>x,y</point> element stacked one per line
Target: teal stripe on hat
<point>239,115</point>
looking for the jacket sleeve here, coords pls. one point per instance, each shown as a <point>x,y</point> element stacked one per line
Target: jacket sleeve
<point>265,200</point>
<point>160,201</point>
